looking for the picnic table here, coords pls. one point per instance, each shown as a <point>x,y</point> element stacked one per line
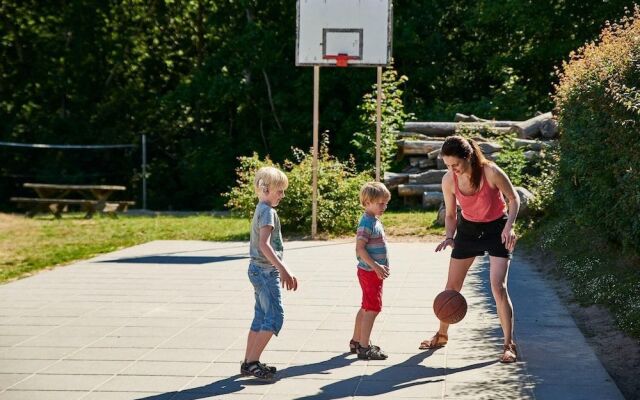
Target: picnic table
<point>56,198</point>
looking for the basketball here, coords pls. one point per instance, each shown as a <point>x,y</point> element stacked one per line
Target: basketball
<point>450,306</point>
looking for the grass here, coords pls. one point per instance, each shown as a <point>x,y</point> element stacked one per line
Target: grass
<point>411,223</point>
<point>29,245</point>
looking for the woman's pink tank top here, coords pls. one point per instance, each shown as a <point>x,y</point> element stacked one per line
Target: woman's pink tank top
<point>483,206</point>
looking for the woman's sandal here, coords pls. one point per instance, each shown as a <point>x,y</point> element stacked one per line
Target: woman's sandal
<point>438,340</point>
<point>510,354</point>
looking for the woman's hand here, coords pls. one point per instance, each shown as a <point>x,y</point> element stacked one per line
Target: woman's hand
<point>509,238</point>
<point>443,245</point>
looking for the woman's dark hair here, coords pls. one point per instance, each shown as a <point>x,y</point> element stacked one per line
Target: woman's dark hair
<point>457,146</point>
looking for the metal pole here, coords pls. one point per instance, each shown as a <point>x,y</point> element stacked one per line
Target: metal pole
<point>378,123</point>
<point>316,112</point>
<point>144,172</point>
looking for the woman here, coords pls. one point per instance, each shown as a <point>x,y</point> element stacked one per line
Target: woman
<point>479,187</point>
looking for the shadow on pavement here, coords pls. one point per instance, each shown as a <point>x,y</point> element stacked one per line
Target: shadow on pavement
<point>162,259</point>
<point>396,377</point>
<point>237,383</point>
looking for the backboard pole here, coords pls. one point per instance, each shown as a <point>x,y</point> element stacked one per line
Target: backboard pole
<point>378,122</point>
<point>314,165</point>
<point>144,172</point>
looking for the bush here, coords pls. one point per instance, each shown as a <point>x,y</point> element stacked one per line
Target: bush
<point>598,107</point>
<point>338,188</point>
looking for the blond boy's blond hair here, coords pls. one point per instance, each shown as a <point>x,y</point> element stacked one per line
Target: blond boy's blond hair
<point>269,178</point>
<point>372,191</point>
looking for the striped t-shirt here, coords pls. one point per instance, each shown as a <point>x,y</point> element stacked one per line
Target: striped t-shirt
<point>371,231</point>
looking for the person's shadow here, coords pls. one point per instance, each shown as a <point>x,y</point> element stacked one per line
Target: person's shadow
<point>237,383</point>
<point>395,377</point>
<point>392,378</point>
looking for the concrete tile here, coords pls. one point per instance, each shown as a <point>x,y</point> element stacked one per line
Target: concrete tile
<point>82,367</point>
<point>167,368</point>
<point>36,353</point>
<point>40,395</point>
<point>129,383</point>
<point>9,379</point>
<point>61,382</point>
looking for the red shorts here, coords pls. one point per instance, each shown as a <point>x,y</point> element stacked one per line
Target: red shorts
<point>371,290</point>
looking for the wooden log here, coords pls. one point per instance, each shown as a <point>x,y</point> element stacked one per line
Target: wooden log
<point>415,161</point>
<point>530,129</point>
<point>428,177</point>
<point>393,179</point>
<point>530,144</point>
<point>472,118</point>
<point>418,146</point>
<point>489,147</point>
<point>549,129</point>
<point>432,199</point>
<point>434,154</point>
<point>411,135</point>
<point>427,163</point>
<point>431,128</point>
<point>417,190</point>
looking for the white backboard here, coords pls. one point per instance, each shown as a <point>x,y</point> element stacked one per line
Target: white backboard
<point>359,28</point>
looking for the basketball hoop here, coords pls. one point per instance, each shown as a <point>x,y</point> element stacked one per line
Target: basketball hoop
<point>342,59</point>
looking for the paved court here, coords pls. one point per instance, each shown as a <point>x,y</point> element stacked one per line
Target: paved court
<point>168,320</point>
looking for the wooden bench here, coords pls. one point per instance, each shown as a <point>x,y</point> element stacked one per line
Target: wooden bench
<point>58,206</point>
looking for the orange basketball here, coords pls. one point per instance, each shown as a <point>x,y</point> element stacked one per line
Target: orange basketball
<point>450,306</point>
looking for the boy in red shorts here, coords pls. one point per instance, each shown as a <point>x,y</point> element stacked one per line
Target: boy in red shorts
<point>373,268</point>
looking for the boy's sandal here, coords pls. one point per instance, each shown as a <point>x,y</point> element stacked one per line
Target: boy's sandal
<point>257,370</point>
<point>244,368</point>
<point>269,368</point>
<point>371,353</point>
<point>438,340</point>
<point>510,354</point>
<point>353,346</point>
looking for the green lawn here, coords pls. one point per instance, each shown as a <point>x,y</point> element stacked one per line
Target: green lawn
<point>28,245</point>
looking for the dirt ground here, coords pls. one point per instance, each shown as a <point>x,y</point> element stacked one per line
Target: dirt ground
<point>618,352</point>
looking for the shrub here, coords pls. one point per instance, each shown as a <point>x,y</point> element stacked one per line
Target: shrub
<point>338,188</point>
<point>598,107</point>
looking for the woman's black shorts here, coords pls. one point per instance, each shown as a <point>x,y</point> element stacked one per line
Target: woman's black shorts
<point>476,238</point>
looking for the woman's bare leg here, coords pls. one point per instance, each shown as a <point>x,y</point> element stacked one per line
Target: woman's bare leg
<point>499,272</point>
<point>458,269</point>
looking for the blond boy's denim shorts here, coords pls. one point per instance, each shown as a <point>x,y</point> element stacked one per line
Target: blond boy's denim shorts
<point>268,311</point>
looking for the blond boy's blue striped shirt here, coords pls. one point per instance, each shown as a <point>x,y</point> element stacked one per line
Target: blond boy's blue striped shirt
<point>371,231</point>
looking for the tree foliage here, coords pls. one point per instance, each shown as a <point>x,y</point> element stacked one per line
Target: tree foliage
<point>207,81</point>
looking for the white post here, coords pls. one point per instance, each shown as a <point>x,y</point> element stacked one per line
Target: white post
<point>144,172</point>
<point>378,123</point>
<point>316,113</point>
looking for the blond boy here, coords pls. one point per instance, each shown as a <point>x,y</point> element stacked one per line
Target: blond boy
<point>267,271</point>
<point>373,268</point>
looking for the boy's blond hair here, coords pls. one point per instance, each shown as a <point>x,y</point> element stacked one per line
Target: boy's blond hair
<point>372,191</point>
<point>269,178</point>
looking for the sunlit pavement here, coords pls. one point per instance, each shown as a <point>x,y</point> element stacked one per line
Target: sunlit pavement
<point>168,320</point>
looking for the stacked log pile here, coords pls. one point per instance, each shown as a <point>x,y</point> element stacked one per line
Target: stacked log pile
<point>420,144</point>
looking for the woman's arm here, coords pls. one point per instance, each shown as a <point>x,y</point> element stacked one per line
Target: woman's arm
<point>451,212</point>
<point>499,179</point>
